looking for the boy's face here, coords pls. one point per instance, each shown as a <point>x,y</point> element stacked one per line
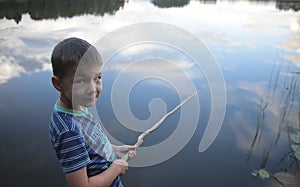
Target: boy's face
<point>82,85</point>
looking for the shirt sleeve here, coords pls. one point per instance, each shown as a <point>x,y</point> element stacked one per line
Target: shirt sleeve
<point>71,151</point>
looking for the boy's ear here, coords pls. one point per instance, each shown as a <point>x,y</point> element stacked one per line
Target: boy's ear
<point>56,82</point>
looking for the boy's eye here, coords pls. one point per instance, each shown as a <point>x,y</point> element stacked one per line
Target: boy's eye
<point>79,81</point>
<point>98,78</point>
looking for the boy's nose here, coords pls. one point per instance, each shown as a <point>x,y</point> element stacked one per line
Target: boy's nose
<point>92,87</point>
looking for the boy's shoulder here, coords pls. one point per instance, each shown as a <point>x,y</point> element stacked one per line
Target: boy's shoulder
<point>63,120</point>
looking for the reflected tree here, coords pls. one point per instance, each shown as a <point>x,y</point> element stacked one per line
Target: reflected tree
<point>280,4</point>
<point>170,3</point>
<point>208,1</point>
<point>52,9</point>
<point>287,5</point>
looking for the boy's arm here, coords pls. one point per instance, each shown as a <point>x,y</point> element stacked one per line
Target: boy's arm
<point>79,178</point>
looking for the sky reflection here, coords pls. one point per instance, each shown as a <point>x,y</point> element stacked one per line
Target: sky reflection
<point>277,29</point>
<point>224,27</point>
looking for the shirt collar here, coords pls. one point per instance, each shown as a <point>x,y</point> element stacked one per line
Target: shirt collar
<point>71,112</point>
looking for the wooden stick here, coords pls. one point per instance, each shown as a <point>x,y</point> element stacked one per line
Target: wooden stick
<point>140,139</point>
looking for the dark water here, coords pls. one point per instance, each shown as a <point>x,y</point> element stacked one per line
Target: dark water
<point>255,43</point>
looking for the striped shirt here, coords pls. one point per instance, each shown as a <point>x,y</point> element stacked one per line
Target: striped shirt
<point>79,141</point>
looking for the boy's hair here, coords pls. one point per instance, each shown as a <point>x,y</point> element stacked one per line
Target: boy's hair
<point>70,52</point>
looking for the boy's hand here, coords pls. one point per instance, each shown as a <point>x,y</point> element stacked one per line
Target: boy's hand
<point>124,149</point>
<point>122,165</point>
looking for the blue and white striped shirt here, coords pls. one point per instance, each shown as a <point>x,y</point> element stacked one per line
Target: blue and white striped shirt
<point>73,136</point>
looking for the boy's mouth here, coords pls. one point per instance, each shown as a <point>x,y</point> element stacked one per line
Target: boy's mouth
<point>89,98</point>
<point>94,97</point>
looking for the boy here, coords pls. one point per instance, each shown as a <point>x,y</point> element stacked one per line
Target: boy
<point>83,150</point>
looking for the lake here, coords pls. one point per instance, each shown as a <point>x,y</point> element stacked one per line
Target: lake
<point>243,58</point>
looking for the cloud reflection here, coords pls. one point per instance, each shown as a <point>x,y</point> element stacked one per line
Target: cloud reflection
<point>9,69</point>
<point>155,60</point>
<point>224,27</point>
<point>23,55</point>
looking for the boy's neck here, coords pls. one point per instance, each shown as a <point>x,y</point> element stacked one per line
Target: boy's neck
<point>69,106</point>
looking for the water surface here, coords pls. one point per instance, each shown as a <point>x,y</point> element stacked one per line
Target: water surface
<point>256,44</point>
